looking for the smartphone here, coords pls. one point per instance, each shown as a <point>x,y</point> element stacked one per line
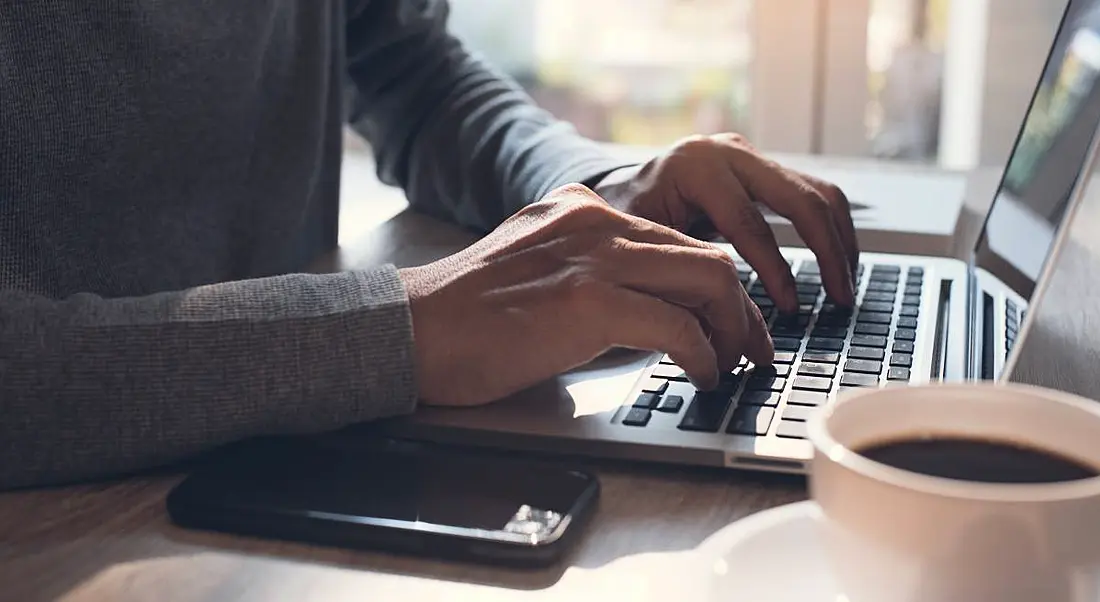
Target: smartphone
<point>391,495</point>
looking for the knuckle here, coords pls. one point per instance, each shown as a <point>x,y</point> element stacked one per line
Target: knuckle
<point>833,193</point>
<point>692,145</point>
<point>734,139</point>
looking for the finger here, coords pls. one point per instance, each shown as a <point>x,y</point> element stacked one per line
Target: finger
<point>809,212</point>
<point>636,320</point>
<point>727,204</point>
<point>702,280</point>
<point>759,348</point>
<point>842,217</point>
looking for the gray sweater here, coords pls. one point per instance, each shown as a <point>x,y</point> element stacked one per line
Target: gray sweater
<point>168,170</point>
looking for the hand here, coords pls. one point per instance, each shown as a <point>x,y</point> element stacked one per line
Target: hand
<point>720,177</point>
<point>565,280</point>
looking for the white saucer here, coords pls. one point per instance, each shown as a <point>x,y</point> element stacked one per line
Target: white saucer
<point>774,555</point>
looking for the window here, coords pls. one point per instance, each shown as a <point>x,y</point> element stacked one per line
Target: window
<point>943,82</point>
<point>929,81</point>
<point>641,72</point>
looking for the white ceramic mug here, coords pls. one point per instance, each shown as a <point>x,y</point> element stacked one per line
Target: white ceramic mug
<point>898,536</point>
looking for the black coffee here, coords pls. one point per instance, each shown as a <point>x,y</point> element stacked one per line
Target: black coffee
<point>978,460</point>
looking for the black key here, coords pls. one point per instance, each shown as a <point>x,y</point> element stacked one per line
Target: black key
<point>910,300</point>
<point>766,383</point>
<point>783,357</point>
<point>903,347</point>
<point>826,370</point>
<point>805,278</point>
<point>705,412</point>
<point>826,344</point>
<point>1010,331</point>
<point>872,317</point>
<point>897,374</point>
<point>654,385</point>
<point>743,277</point>
<point>763,302</point>
<point>884,287</point>
<point>878,296</point>
<point>866,353</point>
<point>786,344</point>
<point>905,334</point>
<point>789,331</point>
<point>807,288</point>
<point>912,289</point>
<point>647,401</point>
<point>793,320</point>
<point>886,268</point>
<point>790,429</point>
<point>750,420</point>
<point>671,404</point>
<point>901,360</point>
<point>916,271</point>
<point>799,413</point>
<point>877,329</point>
<point>821,357</point>
<point>867,340</point>
<point>830,332</point>
<point>830,308</point>
<point>636,417</point>
<point>859,380</point>
<point>910,311</point>
<point>808,398</point>
<point>834,320</point>
<point>879,306</point>
<point>807,298</point>
<point>669,372</point>
<point>1011,320</point>
<point>907,322</point>
<point>863,366</point>
<point>812,383</point>
<point>809,267</point>
<point>759,398</point>
<point>729,381</point>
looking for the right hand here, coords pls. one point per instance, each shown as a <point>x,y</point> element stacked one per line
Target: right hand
<point>565,280</point>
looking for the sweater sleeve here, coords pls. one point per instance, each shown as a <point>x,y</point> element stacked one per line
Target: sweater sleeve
<point>92,386</point>
<point>464,142</point>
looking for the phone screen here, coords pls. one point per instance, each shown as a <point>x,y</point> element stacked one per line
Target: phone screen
<point>398,487</point>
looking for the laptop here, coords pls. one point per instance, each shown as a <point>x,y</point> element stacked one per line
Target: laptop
<point>917,320</point>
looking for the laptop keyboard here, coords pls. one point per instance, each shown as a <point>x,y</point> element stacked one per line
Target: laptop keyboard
<point>1013,318</point>
<point>820,351</point>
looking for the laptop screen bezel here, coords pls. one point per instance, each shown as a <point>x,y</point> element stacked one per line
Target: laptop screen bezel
<point>977,248</point>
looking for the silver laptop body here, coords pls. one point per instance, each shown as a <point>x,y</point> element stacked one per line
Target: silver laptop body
<point>918,319</point>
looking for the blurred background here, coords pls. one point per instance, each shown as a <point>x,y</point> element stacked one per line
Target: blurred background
<point>942,82</point>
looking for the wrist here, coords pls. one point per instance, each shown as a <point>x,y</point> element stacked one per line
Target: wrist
<point>616,187</point>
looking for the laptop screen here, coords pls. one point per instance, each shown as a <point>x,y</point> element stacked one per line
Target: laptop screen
<point>1048,157</point>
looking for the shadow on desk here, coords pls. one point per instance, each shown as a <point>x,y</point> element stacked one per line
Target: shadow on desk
<point>100,541</point>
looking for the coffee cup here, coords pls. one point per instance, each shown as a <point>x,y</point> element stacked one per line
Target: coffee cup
<point>960,492</point>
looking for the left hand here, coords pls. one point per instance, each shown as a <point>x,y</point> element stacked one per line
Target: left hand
<point>719,178</point>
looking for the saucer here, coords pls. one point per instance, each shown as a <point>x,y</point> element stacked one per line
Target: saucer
<point>773,555</point>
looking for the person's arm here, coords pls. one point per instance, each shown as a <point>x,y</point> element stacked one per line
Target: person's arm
<point>92,387</point>
<point>463,141</point>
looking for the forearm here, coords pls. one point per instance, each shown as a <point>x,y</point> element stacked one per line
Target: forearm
<point>462,140</point>
<point>92,386</point>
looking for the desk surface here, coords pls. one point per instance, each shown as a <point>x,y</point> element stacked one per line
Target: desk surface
<point>112,541</point>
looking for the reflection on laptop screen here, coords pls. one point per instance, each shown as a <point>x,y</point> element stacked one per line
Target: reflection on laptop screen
<point>1048,157</point>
